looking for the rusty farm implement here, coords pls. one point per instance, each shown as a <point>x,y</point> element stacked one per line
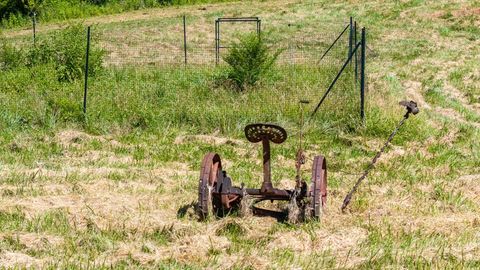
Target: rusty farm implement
<point>217,195</point>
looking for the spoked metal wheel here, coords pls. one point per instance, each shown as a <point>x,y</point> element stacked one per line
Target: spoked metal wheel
<point>318,189</point>
<point>211,167</point>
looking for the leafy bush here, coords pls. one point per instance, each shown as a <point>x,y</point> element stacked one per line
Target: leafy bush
<point>65,50</point>
<point>17,12</point>
<point>249,59</point>
<point>10,7</point>
<point>70,46</point>
<point>96,2</point>
<point>10,57</point>
<point>65,109</point>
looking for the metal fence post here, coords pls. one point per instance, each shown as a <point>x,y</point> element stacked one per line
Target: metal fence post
<point>362,76</point>
<point>34,23</point>
<point>356,59</point>
<point>86,72</point>
<point>259,27</point>
<point>185,38</point>
<point>350,38</point>
<point>334,81</point>
<point>217,41</point>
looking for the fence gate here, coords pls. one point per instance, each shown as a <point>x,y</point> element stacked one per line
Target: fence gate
<point>218,22</point>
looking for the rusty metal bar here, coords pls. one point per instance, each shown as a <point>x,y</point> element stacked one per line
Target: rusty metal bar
<point>267,181</point>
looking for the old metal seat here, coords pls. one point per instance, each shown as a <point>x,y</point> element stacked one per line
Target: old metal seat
<point>266,133</point>
<point>258,132</point>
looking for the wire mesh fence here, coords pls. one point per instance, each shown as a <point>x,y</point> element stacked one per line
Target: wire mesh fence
<point>171,64</point>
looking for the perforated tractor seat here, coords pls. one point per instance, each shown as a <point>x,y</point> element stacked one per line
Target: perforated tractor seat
<point>257,132</point>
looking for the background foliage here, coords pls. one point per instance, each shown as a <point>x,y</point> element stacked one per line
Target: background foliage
<point>17,12</point>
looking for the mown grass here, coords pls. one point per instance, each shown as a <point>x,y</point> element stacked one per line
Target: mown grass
<point>417,209</point>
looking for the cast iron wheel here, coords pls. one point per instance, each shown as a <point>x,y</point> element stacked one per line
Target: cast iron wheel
<point>318,190</point>
<point>211,165</point>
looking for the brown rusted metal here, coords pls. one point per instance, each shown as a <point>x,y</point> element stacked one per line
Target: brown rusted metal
<point>208,177</point>
<point>412,108</point>
<point>228,199</point>
<point>256,132</point>
<point>216,188</point>
<point>265,133</point>
<point>267,186</point>
<point>319,186</point>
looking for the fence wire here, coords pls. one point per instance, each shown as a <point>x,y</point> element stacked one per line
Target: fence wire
<point>144,68</point>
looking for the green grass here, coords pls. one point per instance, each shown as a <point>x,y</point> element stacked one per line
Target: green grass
<point>117,186</point>
<point>59,10</point>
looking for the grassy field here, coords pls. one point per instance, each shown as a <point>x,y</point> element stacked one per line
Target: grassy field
<point>118,189</point>
<point>60,10</point>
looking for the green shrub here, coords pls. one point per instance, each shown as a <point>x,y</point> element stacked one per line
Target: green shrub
<point>249,59</point>
<point>64,49</point>
<point>96,2</point>
<point>10,57</point>
<point>65,109</point>
<point>11,7</point>
<point>43,53</point>
<point>69,58</point>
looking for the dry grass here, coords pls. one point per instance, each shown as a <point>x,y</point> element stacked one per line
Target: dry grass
<point>98,202</point>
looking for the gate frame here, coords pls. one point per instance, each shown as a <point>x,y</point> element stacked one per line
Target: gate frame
<point>218,22</point>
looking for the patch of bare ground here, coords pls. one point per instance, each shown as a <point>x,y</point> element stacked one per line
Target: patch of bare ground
<point>150,201</point>
<point>454,115</point>
<point>197,243</point>
<point>413,91</point>
<point>72,137</point>
<point>343,242</point>
<point>102,203</point>
<point>17,259</point>
<point>454,93</point>
<point>207,139</point>
<point>469,185</point>
<point>34,241</point>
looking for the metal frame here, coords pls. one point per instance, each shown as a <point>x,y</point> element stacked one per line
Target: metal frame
<point>218,21</point>
<point>216,186</point>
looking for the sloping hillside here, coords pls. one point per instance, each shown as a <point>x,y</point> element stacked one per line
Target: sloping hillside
<point>110,193</point>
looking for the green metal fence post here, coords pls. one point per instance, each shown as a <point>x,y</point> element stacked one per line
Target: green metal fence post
<point>185,38</point>
<point>362,76</point>
<point>86,72</point>
<point>350,38</point>
<point>355,42</point>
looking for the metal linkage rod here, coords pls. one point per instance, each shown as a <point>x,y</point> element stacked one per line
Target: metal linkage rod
<point>411,108</point>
